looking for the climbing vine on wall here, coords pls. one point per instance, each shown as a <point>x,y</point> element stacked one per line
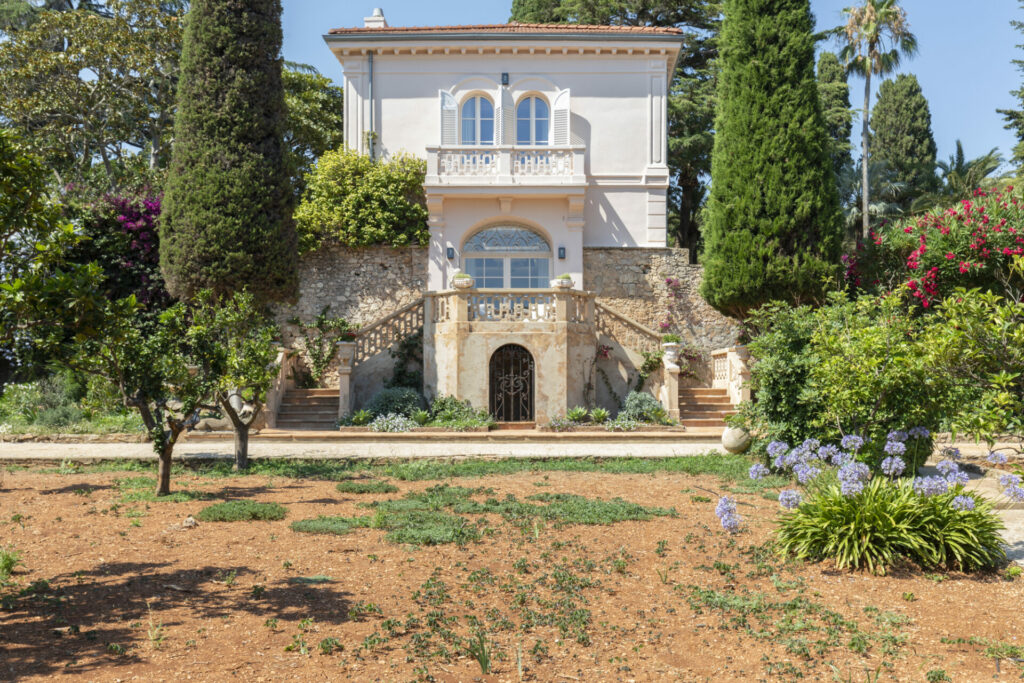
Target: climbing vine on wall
<point>408,355</point>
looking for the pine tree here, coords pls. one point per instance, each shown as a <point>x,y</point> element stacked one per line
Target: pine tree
<point>835,106</point>
<point>773,226</point>
<point>1015,117</point>
<point>228,205</point>
<point>901,136</point>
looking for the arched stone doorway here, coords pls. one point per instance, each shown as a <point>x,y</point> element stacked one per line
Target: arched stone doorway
<point>511,385</point>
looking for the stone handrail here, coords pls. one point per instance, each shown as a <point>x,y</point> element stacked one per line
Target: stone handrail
<point>627,331</point>
<point>511,305</point>
<point>731,371</point>
<point>505,164</point>
<point>382,334</point>
<point>283,382</point>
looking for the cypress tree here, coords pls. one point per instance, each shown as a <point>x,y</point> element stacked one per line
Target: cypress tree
<point>227,221</point>
<point>834,92</point>
<point>773,226</point>
<point>901,136</point>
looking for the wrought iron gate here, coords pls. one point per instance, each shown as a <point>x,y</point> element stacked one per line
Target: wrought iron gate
<point>511,384</point>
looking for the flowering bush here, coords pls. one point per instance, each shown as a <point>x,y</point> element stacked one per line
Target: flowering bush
<point>967,245</point>
<point>392,423</point>
<point>869,521</point>
<point>726,513</point>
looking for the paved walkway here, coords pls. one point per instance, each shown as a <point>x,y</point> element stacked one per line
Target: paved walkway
<point>432,448</point>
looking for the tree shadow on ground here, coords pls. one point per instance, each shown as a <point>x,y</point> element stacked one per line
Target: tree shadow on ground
<point>75,488</point>
<point>103,617</point>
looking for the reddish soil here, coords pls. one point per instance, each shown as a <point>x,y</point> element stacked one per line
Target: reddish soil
<point>140,598</point>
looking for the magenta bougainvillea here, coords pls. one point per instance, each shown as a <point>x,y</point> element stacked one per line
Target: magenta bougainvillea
<point>967,245</point>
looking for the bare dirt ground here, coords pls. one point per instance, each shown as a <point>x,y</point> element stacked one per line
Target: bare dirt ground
<point>115,589</point>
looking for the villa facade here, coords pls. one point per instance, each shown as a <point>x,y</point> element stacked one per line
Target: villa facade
<point>546,184</point>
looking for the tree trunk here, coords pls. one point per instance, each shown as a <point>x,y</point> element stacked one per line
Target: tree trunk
<point>242,447</point>
<point>163,474</point>
<point>865,220</point>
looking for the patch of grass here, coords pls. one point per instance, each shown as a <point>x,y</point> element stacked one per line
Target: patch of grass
<point>9,559</point>
<point>366,486</point>
<point>241,511</point>
<point>434,516</point>
<point>143,489</point>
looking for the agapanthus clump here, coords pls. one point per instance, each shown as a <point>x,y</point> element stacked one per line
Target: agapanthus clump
<point>965,503</point>
<point>758,471</point>
<point>777,448</point>
<point>805,472</point>
<point>951,471</point>
<point>930,486</point>
<point>893,466</point>
<point>726,513</point>
<point>828,453</point>
<point>790,499</point>
<point>852,477</point>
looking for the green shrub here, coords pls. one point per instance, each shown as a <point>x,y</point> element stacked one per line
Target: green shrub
<point>642,407</point>
<point>394,401</point>
<point>241,511</point>
<point>366,486</point>
<point>355,201</point>
<point>360,418</point>
<point>598,415</point>
<point>886,521</point>
<point>421,417</point>
<point>451,413</point>
<point>577,414</point>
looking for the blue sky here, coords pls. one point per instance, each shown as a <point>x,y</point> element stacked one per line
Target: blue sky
<point>963,63</point>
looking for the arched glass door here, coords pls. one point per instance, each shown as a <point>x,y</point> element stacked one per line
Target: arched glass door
<point>508,257</point>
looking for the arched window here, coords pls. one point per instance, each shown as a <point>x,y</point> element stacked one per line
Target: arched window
<point>508,256</point>
<point>532,120</point>
<point>477,121</point>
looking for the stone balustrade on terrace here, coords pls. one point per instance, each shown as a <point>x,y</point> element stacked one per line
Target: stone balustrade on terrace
<point>511,306</point>
<point>505,165</point>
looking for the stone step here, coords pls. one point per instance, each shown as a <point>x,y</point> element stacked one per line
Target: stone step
<point>701,410</point>
<point>310,400</point>
<point>306,425</point>
<point>311,392</point>
<point>305,413</point>
<point>702,422</point>
<point>702,391</point>
<point>689,401</point>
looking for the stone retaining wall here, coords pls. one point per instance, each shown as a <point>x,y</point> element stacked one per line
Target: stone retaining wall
<point>634,282</point>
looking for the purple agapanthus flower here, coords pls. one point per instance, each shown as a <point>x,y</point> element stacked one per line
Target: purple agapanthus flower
<point>758,471</point>
<point>805,473</point>
<point>777,448</point>
<point>841,458</point>
<point>930,486</point>
<point>957,478</point>
<point>828,453</point>
<point>851,487</point>
<point>854,471</point>
<point>893,466</point>
<point>918,433</point>
<point>811,444</point>
<point>852,442</point>
<point>897,435</point>
<point>947,467</point>
<point>726,512</point>
<point>997,458</point>
<point>790,499</point>
<point>962,503</point>
<point>1008,480</point>
<point>1015,493</point>
<point>895,448</point>
<point>951,453</point>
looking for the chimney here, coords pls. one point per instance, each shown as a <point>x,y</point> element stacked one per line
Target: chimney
<point>377,20</point>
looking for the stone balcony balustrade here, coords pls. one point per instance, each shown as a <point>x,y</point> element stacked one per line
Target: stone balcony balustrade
<point>504,306</point>
<point>505,165</point>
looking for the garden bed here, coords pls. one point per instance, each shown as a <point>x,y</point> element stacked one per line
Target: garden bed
<point>561,584</point>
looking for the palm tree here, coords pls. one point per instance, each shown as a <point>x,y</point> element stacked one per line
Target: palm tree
<point>875,37</point>
<point>960,178</point>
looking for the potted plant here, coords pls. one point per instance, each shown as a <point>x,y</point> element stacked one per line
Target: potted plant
<point>671,343</point>
<point>563,281</point>
<point>462,280</point>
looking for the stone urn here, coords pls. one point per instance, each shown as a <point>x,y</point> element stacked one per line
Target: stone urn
<point>562,283</point>
<point>463,282</point>
<point>671,350</point>
<point>735,440</point>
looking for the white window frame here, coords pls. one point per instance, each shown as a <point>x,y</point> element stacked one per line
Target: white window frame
<point>534,142</point>
<point>477,118</point>
<point>507,256</point>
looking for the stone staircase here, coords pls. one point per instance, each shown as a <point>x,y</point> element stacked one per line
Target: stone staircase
<point>704,407</point>
<point>308,409</point>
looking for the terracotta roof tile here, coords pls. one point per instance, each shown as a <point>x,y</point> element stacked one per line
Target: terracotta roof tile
<point>513,27</point>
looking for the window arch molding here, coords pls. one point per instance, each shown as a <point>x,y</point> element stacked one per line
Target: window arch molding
<point>508,255</point>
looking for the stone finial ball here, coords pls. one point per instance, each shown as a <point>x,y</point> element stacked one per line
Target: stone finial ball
<point>735,440</point>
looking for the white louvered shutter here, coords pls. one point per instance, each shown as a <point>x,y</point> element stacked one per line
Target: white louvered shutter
<point>560,118</point>
<point>507,116</point>
<point>449,119</point>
